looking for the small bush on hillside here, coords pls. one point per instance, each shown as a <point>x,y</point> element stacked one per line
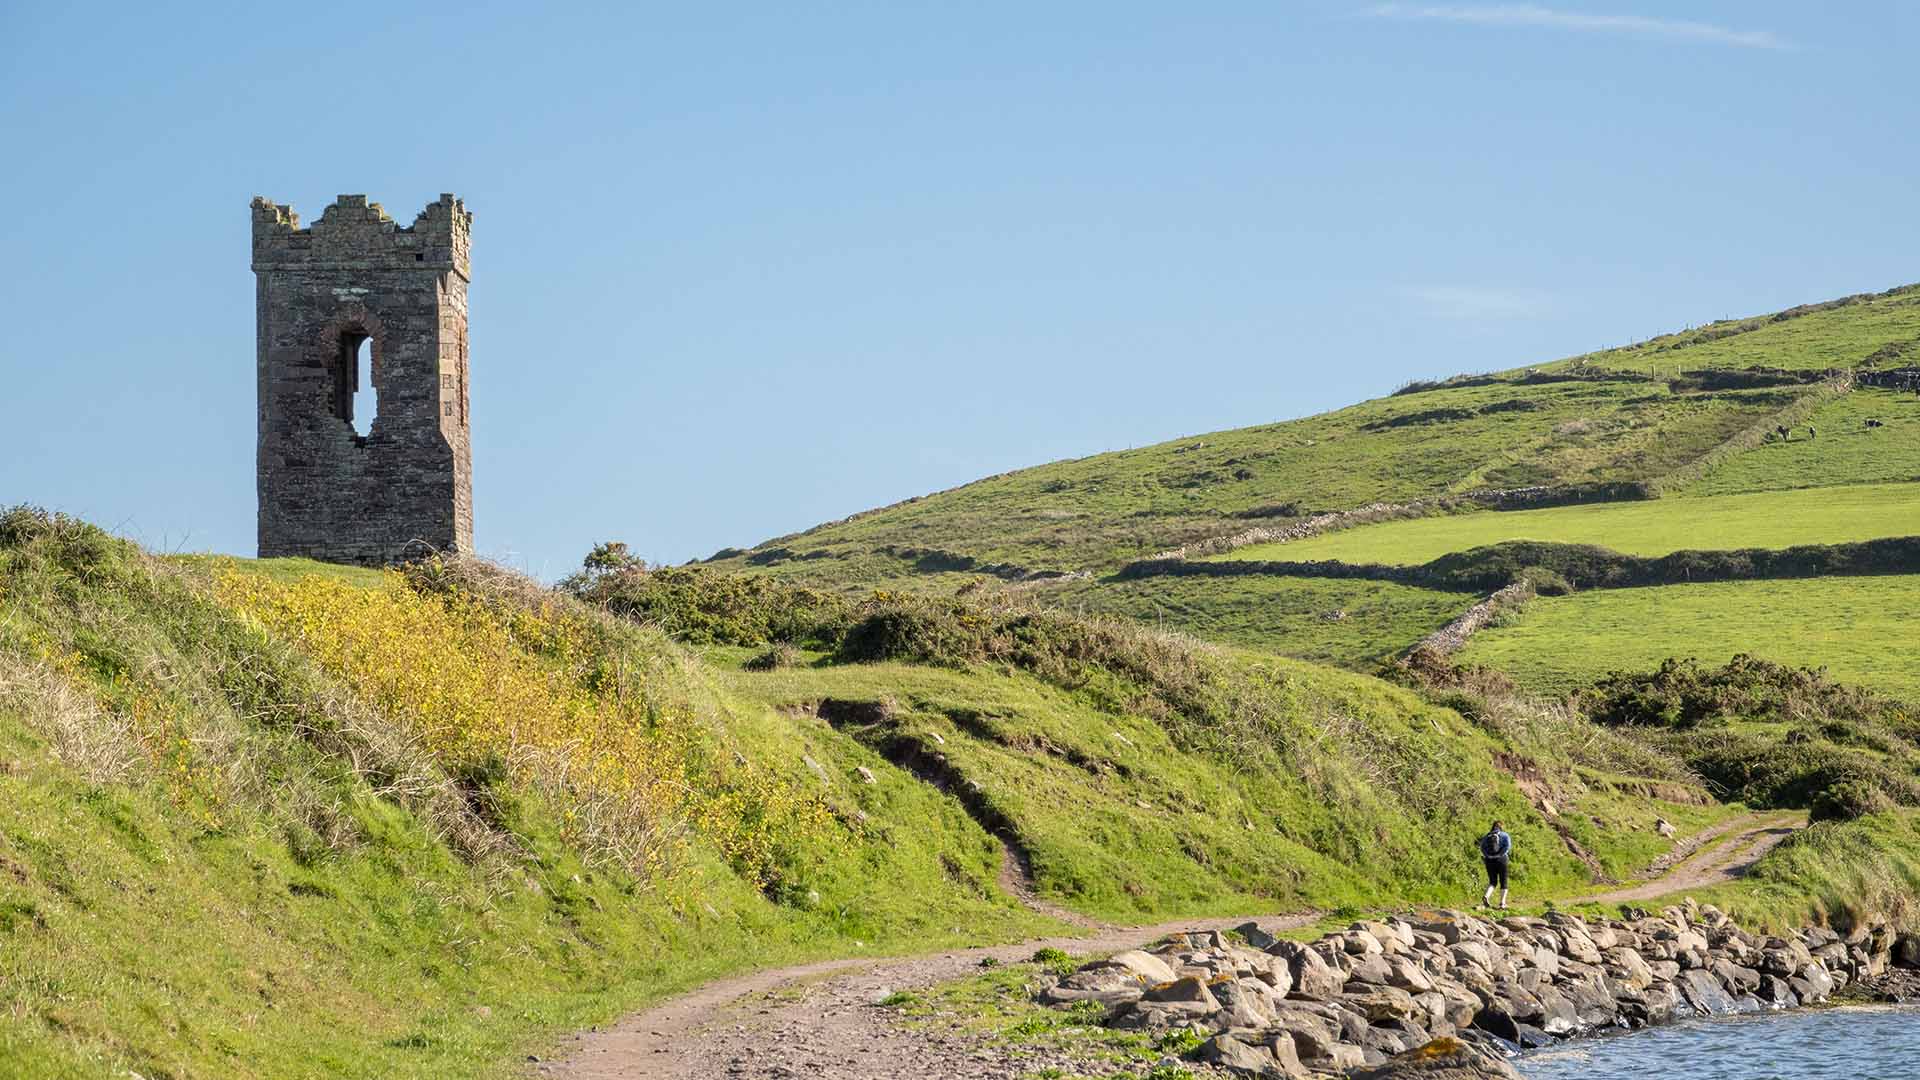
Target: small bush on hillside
<point>702,606</point>
<point>1545,582</point>
<point>1683,693</point>
<point>781,655</point>
<point>1848,800</point>
<point>1766,771</point>
<point>1054,960</point>
<point>69,543</point>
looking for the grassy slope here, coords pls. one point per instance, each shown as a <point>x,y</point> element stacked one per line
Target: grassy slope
<point>232,894</point>
<point>1764,519</point>
<point>1846,451</point>
<point>1097,511</point>
<point>1121,823</point>
<point>1354,624</point>
<point>1861,629</point>
<point>189,889</point>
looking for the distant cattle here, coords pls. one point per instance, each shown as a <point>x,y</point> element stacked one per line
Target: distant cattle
<point>1874,423</point>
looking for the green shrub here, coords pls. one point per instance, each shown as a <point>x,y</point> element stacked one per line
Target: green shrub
<point>1054,960</point>
<point>1180,1041</point>
<point>1849,800</point>
<point>1546,582</point>
<point>780,655</point>
<point>1765,771</point>
<point>1682,693</point>
<point>703,606</point>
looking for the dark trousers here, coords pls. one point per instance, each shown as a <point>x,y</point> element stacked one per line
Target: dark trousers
<point>1496,872</point>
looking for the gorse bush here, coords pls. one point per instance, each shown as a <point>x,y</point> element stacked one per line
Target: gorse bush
<point>511,683</point>
<point>1683,693</point>
<point>1847,801</point>
<point>1770,771</point>
<point>709,607</point>
<point>1821,735</point>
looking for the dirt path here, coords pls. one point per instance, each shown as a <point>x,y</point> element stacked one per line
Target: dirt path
<point>820,1020</point>
<point>1709,863</point>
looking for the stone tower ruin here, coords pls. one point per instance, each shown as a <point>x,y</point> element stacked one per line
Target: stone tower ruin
<point>356,291</point>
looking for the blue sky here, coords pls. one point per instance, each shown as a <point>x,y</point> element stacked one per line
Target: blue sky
<point>739,269</point>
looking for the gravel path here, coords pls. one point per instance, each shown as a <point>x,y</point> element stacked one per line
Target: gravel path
<point>1715,864</point>
<point>820,1020</point>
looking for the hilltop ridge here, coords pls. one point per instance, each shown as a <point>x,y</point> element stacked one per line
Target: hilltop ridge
<point>1626,422</point>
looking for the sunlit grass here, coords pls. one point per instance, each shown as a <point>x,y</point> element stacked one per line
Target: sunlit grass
<point>1862,629</point>
<point>1768,519</point>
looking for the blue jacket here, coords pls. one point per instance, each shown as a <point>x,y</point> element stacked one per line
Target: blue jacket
<point>1496,845</point>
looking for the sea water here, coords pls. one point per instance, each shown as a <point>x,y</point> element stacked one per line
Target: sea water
<point>1865,1042</point>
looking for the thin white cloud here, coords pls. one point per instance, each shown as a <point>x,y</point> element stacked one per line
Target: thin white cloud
<point>1534,15</point>
<point>1476,304</point>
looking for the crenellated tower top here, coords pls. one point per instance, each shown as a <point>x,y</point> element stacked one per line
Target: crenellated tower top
<point>353,233</point>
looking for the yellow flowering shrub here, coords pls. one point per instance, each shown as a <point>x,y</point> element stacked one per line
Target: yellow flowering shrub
<point>541,691</point>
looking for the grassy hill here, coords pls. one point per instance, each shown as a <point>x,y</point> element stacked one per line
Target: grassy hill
<point>290,820</point>
<point>282,819</point>
<point>1668,445</point>
<point>1639,415</point>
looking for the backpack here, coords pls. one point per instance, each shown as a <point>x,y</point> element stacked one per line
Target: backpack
<point>1495,846</point>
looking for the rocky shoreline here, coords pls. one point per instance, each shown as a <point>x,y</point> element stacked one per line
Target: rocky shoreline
<point>1357,998</point>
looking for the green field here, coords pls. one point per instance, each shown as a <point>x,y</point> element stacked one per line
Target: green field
<point>1861,629</point>
<point>1351,623</point>
<point>1770,519</point>
<point>1845,452</point>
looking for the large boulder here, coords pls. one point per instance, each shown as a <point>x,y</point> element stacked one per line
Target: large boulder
<point>1775,991</point>
<point>1144,964</point>
<point>1313,978</point>
<point>1247,1003</point>
<point>1359,942</point>
<point>1394,937</point>
<point>1704,992</point>
<point>1379,1003</point>
<point>1629,969</point>
<point>1738,980</point>
<point>1188,990</point>
<point>1407,974</point>
<point>1104,982</point>
<point>1370,969</point>
<point>1444,1058</point>
<point>1251,933</point>
<point>1242,1057</point>
<point>1557,1014</point>
<point>1593,1005</point>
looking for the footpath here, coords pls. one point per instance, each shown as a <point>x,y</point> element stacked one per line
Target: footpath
<point>820,1020</point>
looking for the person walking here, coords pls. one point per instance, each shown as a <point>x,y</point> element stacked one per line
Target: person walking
<point>1495,849</point>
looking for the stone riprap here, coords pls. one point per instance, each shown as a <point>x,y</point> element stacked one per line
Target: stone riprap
<point>1273,1008</point>
<point>356,279</point>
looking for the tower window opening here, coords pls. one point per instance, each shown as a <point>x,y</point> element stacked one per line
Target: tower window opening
<point>355,397</point>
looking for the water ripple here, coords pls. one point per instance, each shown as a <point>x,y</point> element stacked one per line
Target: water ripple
<point>1871,1042</point>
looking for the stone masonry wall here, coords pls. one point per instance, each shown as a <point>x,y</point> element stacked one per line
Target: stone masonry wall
<point>406,487</point>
